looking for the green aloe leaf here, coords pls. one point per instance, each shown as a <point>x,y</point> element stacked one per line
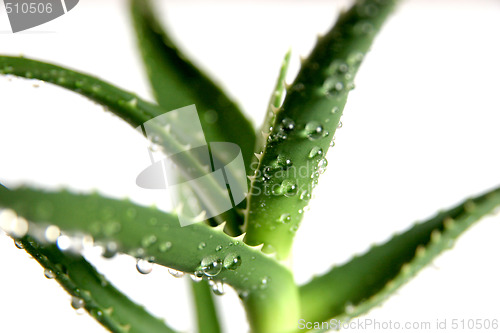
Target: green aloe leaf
<point>206,313</point>
<point>177,82</point>
<point>304,127</point>
<point>266,287</point>
<point>273,106</point>
<point>92,291</point>
<point>356,287</point>
<point>130,108</point>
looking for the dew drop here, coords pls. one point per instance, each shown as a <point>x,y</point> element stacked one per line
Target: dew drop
<point>198,273</point>
<point>285,218</point>
<point>110,250</point>
<point>287,188</point>
<point>211,266</point>
<point>332,86</point>
<point>175,273</point>
<point>77,303</point>
<point>355,57</point>
<point>144,266</point>
<point>202,245</point>
<point>218,248</point>
<point>264,282</point>
<point>164,247</point>
<point>63,243</point>
<point>305,196</point>
<point>18,244</point>
<point>147,241</point>
<point>7,219</point>
<point>340,124</point>
<point>335,109</point>
<point>51,233</point>
<point>314,130</point>
<point>349,308</point>
<point>217,287</point>
<point>195,278</point>
<point>298,87</point>
<point>287,124</point>
<point>14,225</point>
<point>232,261</point>
<point>343,68</point>
<point>49,274</point>
<point>315,151</point>
<point>322,164</point>
<point>243,295</point>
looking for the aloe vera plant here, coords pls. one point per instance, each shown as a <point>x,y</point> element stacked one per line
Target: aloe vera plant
<point>249,247</point>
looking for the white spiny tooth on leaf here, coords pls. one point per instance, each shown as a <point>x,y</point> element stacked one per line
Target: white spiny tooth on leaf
<point>448,222</point>
<point>240,237</point>
<point>420,252</point>
<point>201,217</point>
<point>258,247</point>
<point>109,311</point>
<point>273,255</point>
<point>125,328</point>
<point>221,226</point>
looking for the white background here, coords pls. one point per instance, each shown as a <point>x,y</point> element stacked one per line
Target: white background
<point>421,132</point>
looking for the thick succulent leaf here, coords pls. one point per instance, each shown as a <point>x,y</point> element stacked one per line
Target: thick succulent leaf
<point>305,125</point>
<point>206,314</point>
<point>357,286</point>
<point>130,108</point>
<point>91,290</point>
<point>273,106</point>
<point>177,82</point>
<point>266,287</point>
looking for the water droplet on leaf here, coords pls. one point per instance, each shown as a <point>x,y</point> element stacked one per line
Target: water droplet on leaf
<point>211,266</point>
<point>175,273</point>
<point>217,287</point>
<point>49,274</point>
<point>232,261</point>
<point>77,303</point>
<point>315,151</point>
<point>314,130</point>
<point>144,266</point>
<point>285,218</point>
